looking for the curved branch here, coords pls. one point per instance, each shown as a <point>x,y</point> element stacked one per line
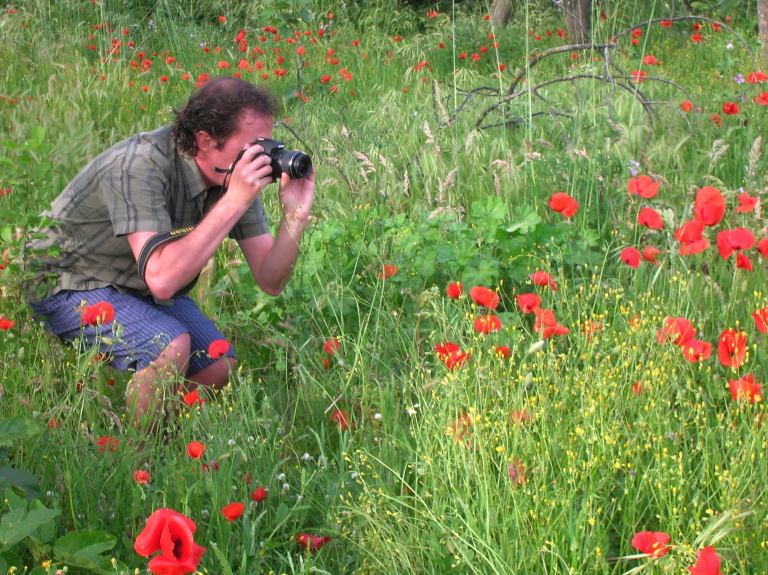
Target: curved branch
<point>639,96</point>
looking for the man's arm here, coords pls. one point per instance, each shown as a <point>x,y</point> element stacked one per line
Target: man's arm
<point>172,265</point>
<point>271,259</point>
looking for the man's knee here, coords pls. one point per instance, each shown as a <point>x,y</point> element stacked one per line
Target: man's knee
<point>215,375</point>
<point>176,353</point>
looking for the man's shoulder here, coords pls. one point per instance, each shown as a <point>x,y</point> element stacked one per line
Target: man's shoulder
<point>158,142</point>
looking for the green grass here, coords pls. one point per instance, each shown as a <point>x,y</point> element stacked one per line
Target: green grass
<point>605,435</point>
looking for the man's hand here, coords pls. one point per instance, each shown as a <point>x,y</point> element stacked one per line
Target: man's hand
<point>296,198</point>
<point>251,174</point>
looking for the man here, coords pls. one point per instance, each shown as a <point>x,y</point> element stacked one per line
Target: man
<point>111,214</point>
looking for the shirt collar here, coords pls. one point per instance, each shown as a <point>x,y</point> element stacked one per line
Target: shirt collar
<point>192,176</point>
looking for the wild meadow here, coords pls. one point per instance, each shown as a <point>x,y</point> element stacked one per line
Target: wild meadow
<point>526,333</point>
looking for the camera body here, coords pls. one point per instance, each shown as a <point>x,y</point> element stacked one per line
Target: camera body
<point>296,164</point>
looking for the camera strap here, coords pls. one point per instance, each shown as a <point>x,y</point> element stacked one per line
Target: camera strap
<point>156,241</point>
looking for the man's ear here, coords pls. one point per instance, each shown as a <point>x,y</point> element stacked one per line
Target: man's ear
<point>205,142</point>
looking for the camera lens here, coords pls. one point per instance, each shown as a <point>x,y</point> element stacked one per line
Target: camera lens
<point>295,164</point>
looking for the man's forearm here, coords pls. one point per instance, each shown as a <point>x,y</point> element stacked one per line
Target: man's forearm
<point>278,265</point>
<point>174,264</point>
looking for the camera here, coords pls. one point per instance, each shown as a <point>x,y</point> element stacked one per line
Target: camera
<point>295,164</point>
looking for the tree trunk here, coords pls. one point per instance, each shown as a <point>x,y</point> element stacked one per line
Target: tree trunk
<point>501,12</point>
<point>762,27</point>
<point>578,15</point>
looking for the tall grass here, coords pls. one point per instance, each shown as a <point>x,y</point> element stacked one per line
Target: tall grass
<point>546,461</point>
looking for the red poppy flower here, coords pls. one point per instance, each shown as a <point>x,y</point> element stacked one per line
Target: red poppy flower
<point>564,204</point>
<point>631,256</point>
<point>543,279</point>
<point>99,313</point>
<point>696,38</point>
<point>650,60</point>
<point>232,511</point>
<point>193,398</point>
<point>762,247</point>
<point>761,99</point>
<point>637,75</point>
<point>502,351</point>
<point>643,186</point>
<point>195,449</point>
<point>451,355</point>
<point>742,262</point>
<point>677,330</point>
<point>107,443</point>
<point>730,108</point>
<point>218,348</point>
<point>650,253</point>
<point>546,324</point>
<point>650,218</point>
<point>259,494</point>
<point>689,232</point>
<point>171,533</point>
<point>387,271</point>
<point>729,241</point>
<point>330,345</point>
<point>757,77</point>
<point>141,476</point>
<point>484,296</point>
<point>340,418</point>
<point>746,203</point>
<point>696,350</point>
<point>311,542</point>
<point>716,119</point>
<point>454,290</point>
<point>709,206</point>
<point>488,323</point>
<point>707,563</point>
<point>746,388</point>
<point>732,348</point>
<point>694,247</point>
<point>5,323</point>
<point>686,106</point>
<point>528,302</point>
<point>761,319</point>
<point>654,543</point>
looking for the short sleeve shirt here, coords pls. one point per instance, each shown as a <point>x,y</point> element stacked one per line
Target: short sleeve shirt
<point>140,184</point>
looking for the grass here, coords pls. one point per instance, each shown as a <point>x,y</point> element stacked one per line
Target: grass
<point>549,460</point>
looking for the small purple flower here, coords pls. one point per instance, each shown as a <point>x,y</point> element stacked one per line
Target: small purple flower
<point>739,78</point>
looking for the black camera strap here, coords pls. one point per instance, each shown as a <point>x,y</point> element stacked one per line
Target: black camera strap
<point>156,241</point>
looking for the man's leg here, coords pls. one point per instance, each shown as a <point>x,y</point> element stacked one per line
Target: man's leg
<point>142,338</point>
<point>145,394</point>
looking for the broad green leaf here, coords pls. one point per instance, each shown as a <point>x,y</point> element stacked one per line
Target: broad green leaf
<point>17,525</point>
<point>84,549</point>
<point>525,221</point>
<point>21,479</point>
<point>18,427</point>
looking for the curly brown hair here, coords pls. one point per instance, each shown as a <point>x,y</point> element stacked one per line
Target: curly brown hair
<point>215,109</point>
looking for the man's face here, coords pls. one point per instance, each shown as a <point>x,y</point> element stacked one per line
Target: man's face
<point>251,126</point>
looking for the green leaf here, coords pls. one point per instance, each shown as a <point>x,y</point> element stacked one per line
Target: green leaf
<point>489,212</point>
<point>18,428</point>
<point>84,549</point>
<point>526,220</point>
<point>6,234</point>
<point>21,479</point>
<point>18,524</point>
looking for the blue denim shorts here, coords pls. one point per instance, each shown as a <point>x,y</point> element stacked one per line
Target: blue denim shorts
<point>141,330</point>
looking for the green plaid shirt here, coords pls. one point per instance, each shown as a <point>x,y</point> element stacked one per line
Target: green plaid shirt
<point>140,184</point>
